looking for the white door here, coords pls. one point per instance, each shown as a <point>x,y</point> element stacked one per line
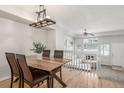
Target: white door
<point>118,54</point>
<point>105,53</point>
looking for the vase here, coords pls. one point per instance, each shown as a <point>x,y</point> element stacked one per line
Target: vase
<point>38,56</point>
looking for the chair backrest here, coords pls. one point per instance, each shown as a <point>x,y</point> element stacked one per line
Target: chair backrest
<point>58,53</point>
<point>24,67</point>
<point>14,66</point>
<point>46,53</point>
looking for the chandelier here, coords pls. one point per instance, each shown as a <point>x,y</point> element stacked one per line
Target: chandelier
<point>43,19</point>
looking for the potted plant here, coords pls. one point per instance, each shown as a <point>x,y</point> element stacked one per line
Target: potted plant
<point>38,47</point>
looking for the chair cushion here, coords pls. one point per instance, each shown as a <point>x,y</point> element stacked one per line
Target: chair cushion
<point>39,76</point>
<point>32,69</point>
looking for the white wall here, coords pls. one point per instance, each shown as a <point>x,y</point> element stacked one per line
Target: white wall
<point>39,36</point>
<point>18,38</point>
<point>61,35</point>
<point>51,41</point>
<point>60,39</point>
<point>57,37</point>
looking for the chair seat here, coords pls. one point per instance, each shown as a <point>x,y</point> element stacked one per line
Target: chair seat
<point>32,69</point>
<point>37,76</point>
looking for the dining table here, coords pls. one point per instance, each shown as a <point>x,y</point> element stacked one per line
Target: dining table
<point>49,65</point>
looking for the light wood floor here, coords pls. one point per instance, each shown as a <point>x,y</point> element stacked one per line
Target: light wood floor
<point>77,79</point>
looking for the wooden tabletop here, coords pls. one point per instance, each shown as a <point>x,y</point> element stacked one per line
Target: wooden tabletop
<point>45,63</point>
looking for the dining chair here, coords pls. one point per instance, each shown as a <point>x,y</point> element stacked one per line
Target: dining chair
<point>59,55</point>
<point>46,53</point>
<point>14,67</point>
<point>31,78</point>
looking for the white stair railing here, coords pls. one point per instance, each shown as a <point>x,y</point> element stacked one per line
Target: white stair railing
<point>80,62</point>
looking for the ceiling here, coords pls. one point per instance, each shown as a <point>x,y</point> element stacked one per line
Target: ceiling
<point>96,18</point>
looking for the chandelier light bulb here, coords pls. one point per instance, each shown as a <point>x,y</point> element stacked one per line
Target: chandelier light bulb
<point>48,17</point>
<point>36,21</point>
<point>41,19</point>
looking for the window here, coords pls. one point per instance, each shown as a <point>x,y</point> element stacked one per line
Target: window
<point>90,44</point>
<point>69,44</point>
<point>105,49</point>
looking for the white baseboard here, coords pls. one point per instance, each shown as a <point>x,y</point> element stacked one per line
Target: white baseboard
<point>106,64</point>
<point>4,78</point>
<point>117,68</point>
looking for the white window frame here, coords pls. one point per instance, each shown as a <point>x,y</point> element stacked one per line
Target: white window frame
<point>104,49</point>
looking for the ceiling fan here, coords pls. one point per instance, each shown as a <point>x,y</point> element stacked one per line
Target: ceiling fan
<point>86,34</point>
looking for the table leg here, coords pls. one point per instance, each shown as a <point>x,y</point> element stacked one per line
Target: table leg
<point>51,81</point>
<point>59,80</point>
<point>52,85</point>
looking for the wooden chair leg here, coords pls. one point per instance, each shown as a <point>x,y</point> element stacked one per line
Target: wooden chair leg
<point>38,85</point>
<point>48,83</point>
<point>20,82</point>
<point>61,73</point>
<point>51,81</point>
<point>11,84</point>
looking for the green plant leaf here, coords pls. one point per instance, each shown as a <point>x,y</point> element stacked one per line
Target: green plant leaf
<point>38,47</point>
